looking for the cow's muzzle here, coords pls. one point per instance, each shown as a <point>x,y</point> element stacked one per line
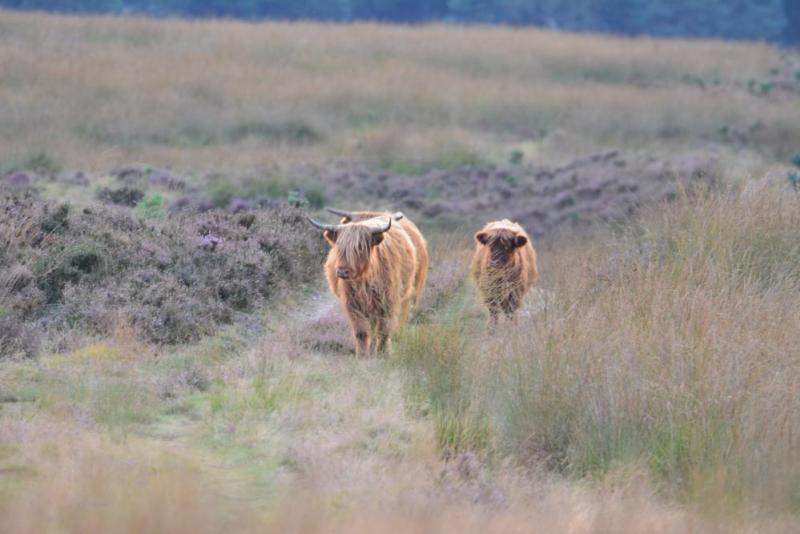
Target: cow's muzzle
<point>344,274</point>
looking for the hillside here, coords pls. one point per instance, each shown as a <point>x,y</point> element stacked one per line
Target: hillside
<point>172,361</point>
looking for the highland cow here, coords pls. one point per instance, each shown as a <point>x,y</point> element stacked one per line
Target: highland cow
<point>504,267</point>
<point>376,268</point>
<point>421,274</point>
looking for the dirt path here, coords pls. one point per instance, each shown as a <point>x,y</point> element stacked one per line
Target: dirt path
<point>297,412</point>
<point>282,438</point>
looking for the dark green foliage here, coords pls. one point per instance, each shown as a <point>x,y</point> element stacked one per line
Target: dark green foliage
<point>732,19</point>
<point>55,219</point>
<point>233,193</point>
<point>794,180</point>
<point>151,206</point>
<point>293,132</point>
<point>740,19</point>
<point>759,88</point>
<point>75,263</point>
<point>40,163</point>
<point>791,35</point>
<point>124,196</point>
<point>72,5</point>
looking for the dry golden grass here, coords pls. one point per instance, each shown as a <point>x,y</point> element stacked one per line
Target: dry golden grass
<point>96,92</point>
<point>83,483</point>
<point>649,386</point>
<point>674,349</point>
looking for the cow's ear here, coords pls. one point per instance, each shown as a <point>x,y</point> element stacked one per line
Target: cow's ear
<point>329,236</point>
<point>482,238</point>
<point>520,241</point>
<point>377,239</point>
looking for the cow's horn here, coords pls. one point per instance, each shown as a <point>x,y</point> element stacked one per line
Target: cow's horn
<point>397,215</point>
<point>341,213</point>
<point>384,228</point>
<point>330,227</point>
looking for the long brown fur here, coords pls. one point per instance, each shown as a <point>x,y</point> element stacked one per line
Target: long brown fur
<point>421,246</point>
<point>503,270</point>
<point>389,272</point>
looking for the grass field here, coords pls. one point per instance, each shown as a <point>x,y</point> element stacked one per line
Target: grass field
<point>93,93</point>
<point>652,381</point>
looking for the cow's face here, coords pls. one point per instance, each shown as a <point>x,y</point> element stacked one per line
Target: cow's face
<point>353,245</point>
<point>501,244</point>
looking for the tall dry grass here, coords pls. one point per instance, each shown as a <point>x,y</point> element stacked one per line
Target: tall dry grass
<point>83,483</point>
<point>673,349</point>
<point>650,385</point>
<point>100,91</point>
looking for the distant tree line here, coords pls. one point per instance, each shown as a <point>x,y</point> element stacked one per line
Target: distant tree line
<point>732,19</point>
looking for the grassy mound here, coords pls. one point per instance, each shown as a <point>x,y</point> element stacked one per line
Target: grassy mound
<point>172,279</point>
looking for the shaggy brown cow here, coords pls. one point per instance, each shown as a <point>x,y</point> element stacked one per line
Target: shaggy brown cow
<point>504,267</point>
<point>413,232</point>
<point>374,268</point>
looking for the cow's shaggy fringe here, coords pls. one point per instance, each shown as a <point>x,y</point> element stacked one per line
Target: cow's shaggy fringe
<point>674,348</point>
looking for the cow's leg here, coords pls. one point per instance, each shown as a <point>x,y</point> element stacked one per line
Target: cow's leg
<point>361,333</point>
<point>383,337</point>
<point>362,343</point>
<point>374,337</point>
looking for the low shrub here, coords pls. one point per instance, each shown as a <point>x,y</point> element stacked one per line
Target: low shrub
<point>290,131</point>
<point>151,206</point>
<point>173,279</point>
<point>124,196</point>
<point>41,163</point>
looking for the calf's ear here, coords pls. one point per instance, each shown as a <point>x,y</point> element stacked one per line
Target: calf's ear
<point>482,238</point>
<point>520,241</point>
<point>377,239</point>
<point>329,236</point>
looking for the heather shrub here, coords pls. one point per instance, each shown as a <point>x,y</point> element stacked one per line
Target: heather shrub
<point>17,339</point>
<point>123,196</point>
<point>173,279</point>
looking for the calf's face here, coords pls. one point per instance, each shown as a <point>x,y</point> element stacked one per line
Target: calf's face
<point>501,244</point>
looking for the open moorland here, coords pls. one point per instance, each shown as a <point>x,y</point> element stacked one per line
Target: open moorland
<point>171,360</point>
